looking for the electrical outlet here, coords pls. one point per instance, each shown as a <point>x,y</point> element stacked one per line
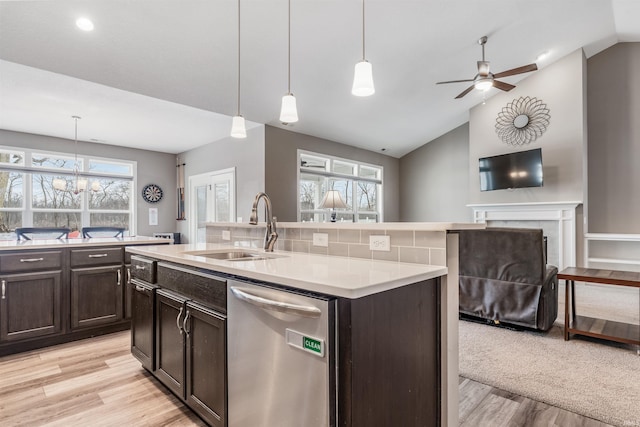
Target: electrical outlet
<point>321,239</point>
<point>226,235</point>
<point>380,243</point>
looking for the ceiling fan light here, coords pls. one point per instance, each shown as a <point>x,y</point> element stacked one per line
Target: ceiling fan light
<point>289,111</point>
<point>363,79</point>
<point>238,129</point>
<point>483,84</point>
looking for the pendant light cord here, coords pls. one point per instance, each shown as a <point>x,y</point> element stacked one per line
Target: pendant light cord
<point>238,57</point>
<point>363,55</point>
<point>289,54</point>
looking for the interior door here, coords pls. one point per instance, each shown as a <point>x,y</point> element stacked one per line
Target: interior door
<point>213,199</point>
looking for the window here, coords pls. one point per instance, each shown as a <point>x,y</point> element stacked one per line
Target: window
<point>30,198</point>
<point>359,185</point>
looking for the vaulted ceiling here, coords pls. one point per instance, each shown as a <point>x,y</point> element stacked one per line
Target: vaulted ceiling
<point>162,74</point>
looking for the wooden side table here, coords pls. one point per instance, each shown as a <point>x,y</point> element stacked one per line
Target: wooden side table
<point>588,326</point>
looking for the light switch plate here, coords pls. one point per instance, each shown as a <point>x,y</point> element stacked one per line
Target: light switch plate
<point>380,243</point>
<point>226,235</point>
<point>321,239</point>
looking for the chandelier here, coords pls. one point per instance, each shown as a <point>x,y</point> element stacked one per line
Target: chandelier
<point>79,184</point>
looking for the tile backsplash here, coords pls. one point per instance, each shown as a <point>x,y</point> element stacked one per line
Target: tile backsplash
<point>414,246</point>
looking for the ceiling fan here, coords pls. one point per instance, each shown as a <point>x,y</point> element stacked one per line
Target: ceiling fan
<point>485,79</point>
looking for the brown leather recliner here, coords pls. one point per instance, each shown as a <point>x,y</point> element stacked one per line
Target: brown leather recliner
<point>504,277</point>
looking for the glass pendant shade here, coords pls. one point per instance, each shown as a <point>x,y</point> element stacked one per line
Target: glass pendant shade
<point>363,79</point>
<point>81,185</point>
<point>238,129</point>
<point>60,184</point>
<point>289,111</point>
<point>95,186</point>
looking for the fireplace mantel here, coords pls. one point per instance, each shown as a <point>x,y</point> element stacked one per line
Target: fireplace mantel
<point>562,213</point>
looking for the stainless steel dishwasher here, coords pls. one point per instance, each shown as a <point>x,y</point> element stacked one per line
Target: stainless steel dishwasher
<point>281,357</point>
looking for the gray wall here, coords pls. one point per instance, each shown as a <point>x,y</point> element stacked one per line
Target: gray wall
<point>282,166</point>
<point>153,167</point>
<point>561,86</point>
<point>435,179</point>
<point>613,91</point>
<point>246,155</point>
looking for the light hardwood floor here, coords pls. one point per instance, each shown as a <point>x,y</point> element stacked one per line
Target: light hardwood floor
<point>96,382</point>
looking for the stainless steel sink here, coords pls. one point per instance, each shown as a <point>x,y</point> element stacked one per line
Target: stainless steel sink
<point>234,255</point>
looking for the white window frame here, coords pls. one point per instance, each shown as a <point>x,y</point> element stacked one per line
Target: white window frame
<point>28,169</point>
<point>327,172</point>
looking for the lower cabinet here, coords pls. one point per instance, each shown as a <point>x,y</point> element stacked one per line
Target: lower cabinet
<point>96,296</point>
<point>143,303</point>
<point>30,305</point>
<point>191,354</point>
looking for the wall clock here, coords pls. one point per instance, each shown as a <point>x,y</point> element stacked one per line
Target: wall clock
<point>522,121</point>
<point>152,193</point>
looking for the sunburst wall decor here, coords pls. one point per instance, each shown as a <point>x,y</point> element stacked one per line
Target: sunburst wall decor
<point>522,121</point>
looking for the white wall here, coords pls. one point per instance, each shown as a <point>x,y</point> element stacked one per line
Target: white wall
<point>246,155</point>
<point>562,87</point>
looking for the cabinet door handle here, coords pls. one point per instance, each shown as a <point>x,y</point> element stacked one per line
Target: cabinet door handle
<point>140,288</point>
<point>31,259</point>
<point>128,275</point>
<point>140,267</point>
<point>119,273</point>
<point>178,320</point>
<point>98,255</point>
<point>184,323</point>
<point>4,288</point>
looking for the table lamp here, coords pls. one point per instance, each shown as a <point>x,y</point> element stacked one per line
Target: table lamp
<point>333,201</point>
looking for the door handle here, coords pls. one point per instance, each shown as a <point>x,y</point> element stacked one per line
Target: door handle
<point>282,307</point>
<point>178,320</point>
<point>128,275</point>
<point>98,255</point>
<point>184,323</point>
<point>4,288</point>
<point>31,259</point>
<point>140,267</point>
<point>119,273</point>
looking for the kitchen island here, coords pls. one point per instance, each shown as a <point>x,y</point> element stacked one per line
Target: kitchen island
<point>382,353</point>
<point>60,290</point>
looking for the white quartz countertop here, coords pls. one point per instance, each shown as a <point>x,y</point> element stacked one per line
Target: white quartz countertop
<point>6,245</point>
<point>332,275</point>
<point>394,226</point>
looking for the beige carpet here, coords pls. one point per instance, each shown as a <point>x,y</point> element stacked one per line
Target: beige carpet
<point>590,378</point>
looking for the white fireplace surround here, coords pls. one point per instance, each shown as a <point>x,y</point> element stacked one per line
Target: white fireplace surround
<point>562,213</point>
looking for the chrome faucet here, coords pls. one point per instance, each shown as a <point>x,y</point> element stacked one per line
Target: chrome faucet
<point>271,234</point>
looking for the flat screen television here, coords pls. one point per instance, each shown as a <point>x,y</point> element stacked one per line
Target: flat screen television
<point>514,170</point>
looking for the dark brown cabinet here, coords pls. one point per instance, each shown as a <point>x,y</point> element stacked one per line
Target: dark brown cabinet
<point>205,332</point>
<point>143,301</point>
<point>170,360</point>
<point>97,287</point>
<point>189,355</point>
<point>30,305</point>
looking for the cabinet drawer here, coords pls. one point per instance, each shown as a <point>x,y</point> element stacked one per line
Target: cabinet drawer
<point>97,256</point>
<point>198,286</point>
<point>30,261</point>
<point>143,269</point>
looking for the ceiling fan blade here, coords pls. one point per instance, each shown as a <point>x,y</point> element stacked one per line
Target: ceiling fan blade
<point>466,91</point>
<point>502,86</point>
<point>519,70</point>
<point>483,68</point>
<point>454,81</point>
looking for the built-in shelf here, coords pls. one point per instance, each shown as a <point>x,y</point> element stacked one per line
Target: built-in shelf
<point>615,249</point>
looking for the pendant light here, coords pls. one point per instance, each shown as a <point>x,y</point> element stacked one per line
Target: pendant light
<point>79,183</point>
<point>289,111</point>
<point>238,129</point>
<point>363,75</point>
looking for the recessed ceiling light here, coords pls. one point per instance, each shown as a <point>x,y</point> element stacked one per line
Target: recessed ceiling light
<point>84,24</point>
<point>544,55</point>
